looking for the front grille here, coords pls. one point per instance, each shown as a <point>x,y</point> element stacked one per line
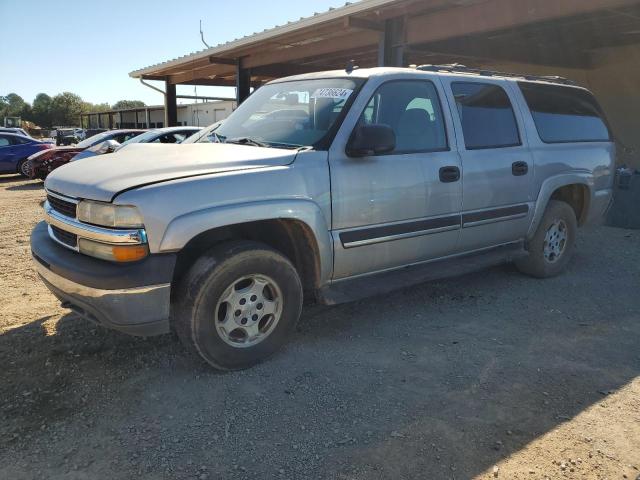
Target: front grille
<point>65,237</point>
<point>62,206</point>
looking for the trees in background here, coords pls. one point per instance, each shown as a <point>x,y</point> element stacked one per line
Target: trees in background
<point>41,110</point>
<point>123,104</point>
<point>13,105</point>
<point>63,109</point>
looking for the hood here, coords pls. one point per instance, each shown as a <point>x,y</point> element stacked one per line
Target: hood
<point>104,176</point>
<point>51,152</point>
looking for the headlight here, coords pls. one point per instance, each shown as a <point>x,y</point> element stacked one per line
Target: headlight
<point>113,253</point>
<point>109,215</point>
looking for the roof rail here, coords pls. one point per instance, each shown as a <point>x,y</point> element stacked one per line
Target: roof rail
<point>458,68</point>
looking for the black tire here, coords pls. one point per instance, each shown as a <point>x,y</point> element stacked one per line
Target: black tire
<point>539,265</point>
<point>195,313</point>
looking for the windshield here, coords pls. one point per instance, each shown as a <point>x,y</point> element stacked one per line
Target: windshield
<point>287,114</point>
<point>93,140</point>
<point>144,138</point>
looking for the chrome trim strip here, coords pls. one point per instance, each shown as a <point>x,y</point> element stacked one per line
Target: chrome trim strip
<point>494,220</point>
<point>92,232</point>
<point>62,197</point>
<point>418,233</point>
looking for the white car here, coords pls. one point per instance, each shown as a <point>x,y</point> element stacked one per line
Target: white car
<point>15,130</point>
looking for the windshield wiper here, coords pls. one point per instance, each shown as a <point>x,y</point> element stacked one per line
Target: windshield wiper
<point>247,141</point>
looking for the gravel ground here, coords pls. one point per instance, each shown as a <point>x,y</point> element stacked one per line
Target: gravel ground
<point>493,374</point>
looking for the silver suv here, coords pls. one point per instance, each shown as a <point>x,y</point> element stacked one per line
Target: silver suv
<point>325,187</point>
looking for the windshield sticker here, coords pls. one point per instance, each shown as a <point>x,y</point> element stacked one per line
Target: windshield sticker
<point>328,92</point>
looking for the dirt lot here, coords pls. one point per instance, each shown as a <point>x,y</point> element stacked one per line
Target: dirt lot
<point>490,375</point>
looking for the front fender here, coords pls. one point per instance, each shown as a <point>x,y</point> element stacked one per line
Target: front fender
<point>550,185</point>
<point>182,229</point>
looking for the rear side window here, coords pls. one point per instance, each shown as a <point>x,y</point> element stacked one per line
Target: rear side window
<point>565,114</point>
<point>486,115</point>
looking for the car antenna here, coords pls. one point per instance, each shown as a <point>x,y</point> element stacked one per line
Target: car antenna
<point>351,66</point>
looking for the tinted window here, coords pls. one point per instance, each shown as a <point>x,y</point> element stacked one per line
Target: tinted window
<point>486,115</point>
<point>412,109</point>
<point>565,114</point>
<point>4,141</point>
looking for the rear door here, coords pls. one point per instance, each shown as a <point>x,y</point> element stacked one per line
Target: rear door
<point>497,166</point>
<point>402,207</point>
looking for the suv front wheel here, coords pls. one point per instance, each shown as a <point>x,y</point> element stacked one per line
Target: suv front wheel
<point>238,304</point>
<point>552,246</point>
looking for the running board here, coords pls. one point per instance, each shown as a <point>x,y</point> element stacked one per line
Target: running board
<point>367,286</point>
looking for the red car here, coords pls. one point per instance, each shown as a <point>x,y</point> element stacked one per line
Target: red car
<point>43,163</point>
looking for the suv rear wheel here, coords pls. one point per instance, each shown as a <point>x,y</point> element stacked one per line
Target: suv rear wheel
<point>552,246</point>
<point>238,304</point>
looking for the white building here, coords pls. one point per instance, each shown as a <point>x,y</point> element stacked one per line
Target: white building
<point>194,114</point>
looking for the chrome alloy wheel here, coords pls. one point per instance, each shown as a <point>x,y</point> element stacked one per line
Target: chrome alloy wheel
<point>25,168</point>
<point>555,241</point>
<point>248,311</point>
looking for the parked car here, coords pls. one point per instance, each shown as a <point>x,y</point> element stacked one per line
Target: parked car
<point>69,136</point>
<point>393,176</point>
<point>158,135</point>
<point>43,163</point>
<point>16,131</point>
<point>14,151</point>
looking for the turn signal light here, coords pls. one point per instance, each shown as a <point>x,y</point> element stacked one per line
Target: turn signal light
<point>129,253</point>
<point>113,253</point>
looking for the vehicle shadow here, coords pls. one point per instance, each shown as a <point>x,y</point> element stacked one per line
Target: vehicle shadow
<point>11,178</point>
<point>445,378</point>
<point>38,185</point>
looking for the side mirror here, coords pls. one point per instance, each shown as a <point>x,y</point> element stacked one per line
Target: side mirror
<point>107,146</point>
<point>371,140</point>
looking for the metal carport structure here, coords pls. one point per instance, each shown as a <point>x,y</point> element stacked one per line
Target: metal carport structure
<point>595,42</point>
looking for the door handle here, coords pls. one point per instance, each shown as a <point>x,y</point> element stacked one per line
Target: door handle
<point>519,168</point>
<point>449,174</point>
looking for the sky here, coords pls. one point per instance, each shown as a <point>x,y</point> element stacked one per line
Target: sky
<point>89,47</point>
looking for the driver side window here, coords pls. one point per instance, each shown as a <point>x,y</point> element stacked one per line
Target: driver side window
<point>412,109</point>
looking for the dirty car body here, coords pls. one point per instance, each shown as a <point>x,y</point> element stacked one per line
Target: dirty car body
<point>352,183</point>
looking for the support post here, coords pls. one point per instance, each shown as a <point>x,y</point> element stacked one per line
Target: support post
<point>170,105</point>
<point>243,82</point>
<point>110,121</point>
<point>392,43</point>
<point>146,116</point>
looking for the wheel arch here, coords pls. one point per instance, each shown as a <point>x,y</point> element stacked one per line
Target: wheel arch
<point>298,230</point>
<point>573,188</point>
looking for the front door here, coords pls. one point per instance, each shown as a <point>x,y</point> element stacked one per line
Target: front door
<point>7,154</point>
<point>497,165</point>
<point>402,207</point>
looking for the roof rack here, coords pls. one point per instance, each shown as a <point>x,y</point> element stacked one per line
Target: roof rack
<point>458,68</point>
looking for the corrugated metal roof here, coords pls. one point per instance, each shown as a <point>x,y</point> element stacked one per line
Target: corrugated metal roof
<point>313,20</point>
